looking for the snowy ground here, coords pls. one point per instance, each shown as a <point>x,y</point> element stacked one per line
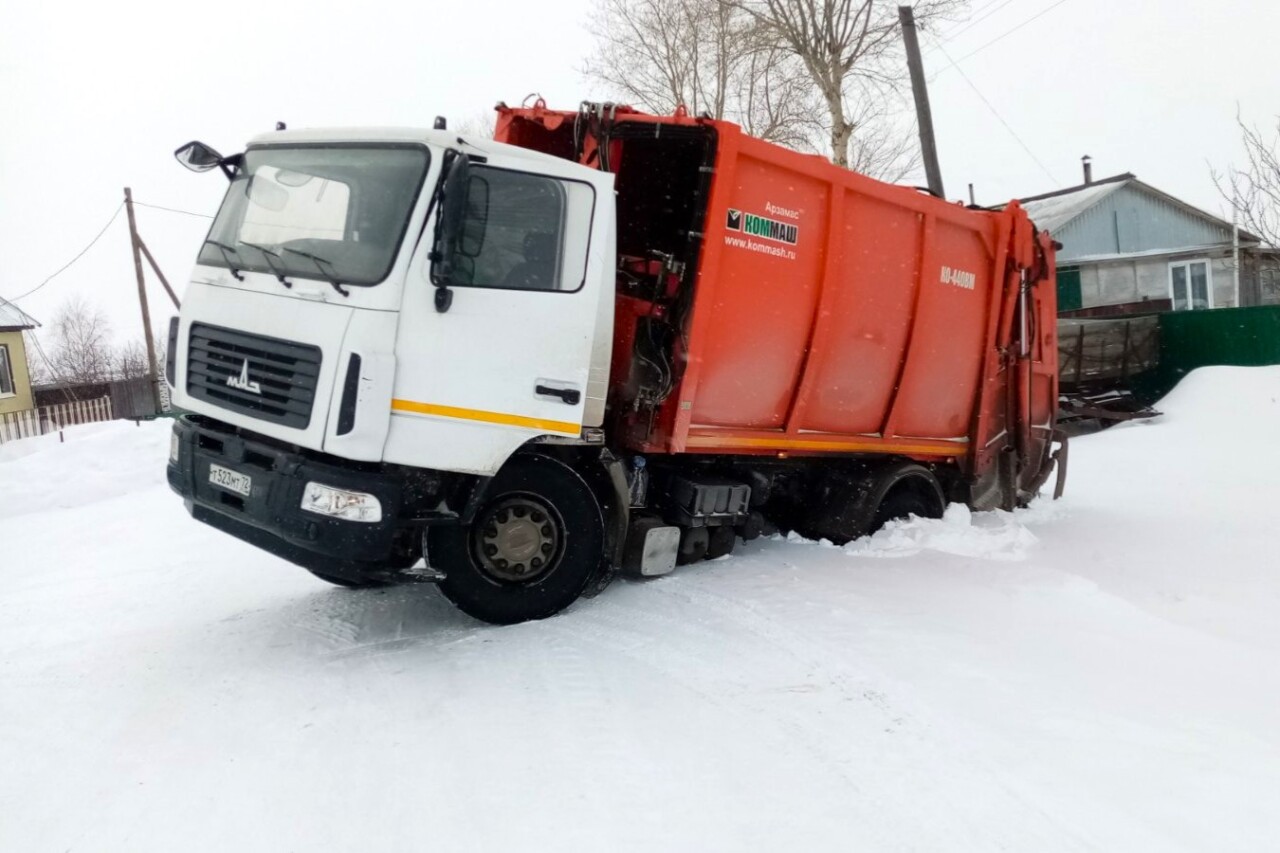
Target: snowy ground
<point>1101,673</point>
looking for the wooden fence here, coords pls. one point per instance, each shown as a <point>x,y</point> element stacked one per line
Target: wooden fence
<point>47,419</point>
<point>1107,350</point>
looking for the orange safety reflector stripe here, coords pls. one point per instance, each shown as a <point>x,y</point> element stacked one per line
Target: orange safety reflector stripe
<point>566,427</point>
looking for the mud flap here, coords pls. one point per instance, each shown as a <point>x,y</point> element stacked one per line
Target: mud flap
<point>1060,459</point>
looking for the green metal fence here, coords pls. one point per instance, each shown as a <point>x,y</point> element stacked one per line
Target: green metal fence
<point>1248,337</point>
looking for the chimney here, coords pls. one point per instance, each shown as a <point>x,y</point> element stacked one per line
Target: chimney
<point>1088,169</point>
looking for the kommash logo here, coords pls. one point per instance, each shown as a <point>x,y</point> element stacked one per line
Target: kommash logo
<point>755,225</point>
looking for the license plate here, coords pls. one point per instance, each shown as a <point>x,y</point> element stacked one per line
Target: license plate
<point>232,481</point>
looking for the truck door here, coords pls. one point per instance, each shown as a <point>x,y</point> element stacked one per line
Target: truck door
<point>522,349</point>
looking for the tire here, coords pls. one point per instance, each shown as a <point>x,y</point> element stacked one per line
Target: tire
<point>859,502</point>
<point>916,492</point>
<point>722,540</point>
<point>694,542</point>
<point>532,548</point>
<point>349,584</point>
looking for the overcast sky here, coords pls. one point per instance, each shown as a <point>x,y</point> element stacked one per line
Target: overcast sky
<point>95,96</point>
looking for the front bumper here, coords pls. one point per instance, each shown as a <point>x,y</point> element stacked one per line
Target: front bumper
<point>270,516</point>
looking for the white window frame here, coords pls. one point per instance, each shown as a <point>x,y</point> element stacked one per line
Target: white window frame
<point>6,365</point>
<point>1208,277</point>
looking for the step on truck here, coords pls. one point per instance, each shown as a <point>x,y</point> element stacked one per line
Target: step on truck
<point>602,342</point>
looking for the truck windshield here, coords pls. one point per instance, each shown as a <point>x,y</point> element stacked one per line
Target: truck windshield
<point>333,213</point>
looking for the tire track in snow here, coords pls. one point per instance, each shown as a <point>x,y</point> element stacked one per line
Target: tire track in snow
<point>663,650</point>
<point>828,734</point>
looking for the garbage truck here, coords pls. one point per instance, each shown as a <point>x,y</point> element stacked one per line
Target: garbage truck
<point>601,342</point>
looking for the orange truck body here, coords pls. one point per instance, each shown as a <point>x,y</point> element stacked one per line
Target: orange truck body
<point>836,314</point>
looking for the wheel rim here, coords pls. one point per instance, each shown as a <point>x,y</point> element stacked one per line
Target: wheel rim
<point>517,539</point>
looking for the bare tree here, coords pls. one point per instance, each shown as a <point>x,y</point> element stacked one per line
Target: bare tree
<point>884,144</point>
<point>847,47</point>
<point>737,60</point>
<point>479,124</point>
<point>1253,190</point>
<point>708,56</point>
<point>37,364</point>
<point>82,350</point>
<point>131,360</point>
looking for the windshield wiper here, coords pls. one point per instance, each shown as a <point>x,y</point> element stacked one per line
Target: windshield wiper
<point>267,255</point>
<point>318,261</point>
<point>224,248</point>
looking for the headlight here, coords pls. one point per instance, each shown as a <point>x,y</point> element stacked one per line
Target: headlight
<point>173,448</point>
<point>339,503</point>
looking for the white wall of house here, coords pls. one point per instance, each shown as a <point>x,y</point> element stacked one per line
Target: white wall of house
<point>1145,279</point>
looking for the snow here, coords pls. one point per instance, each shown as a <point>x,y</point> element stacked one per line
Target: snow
<point>1057,210</point>
<point>1096,673</point>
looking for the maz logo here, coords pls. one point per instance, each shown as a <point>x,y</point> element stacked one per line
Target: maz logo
<point>243,382</point>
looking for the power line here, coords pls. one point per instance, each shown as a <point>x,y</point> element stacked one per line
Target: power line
<point>83,251</point>
<point>978,10</point>
<point>973,12</point>
<point>80,255</point>
<point>1005,34</point>
<point>996,113</point>
<point>971,24</point>
<point>172,209</point>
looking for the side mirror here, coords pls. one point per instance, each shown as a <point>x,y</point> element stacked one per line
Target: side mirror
<point>476,221</point>
<point>453,214</point>
<point>198,157</point>
<point>453,209</point>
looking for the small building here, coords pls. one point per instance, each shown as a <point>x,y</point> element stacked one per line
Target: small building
<point>1129,248</point>
<point>15,378</point>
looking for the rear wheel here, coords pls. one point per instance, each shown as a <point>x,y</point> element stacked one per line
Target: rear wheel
<point>915,492</point>
<point>531,549</point>
<point>858,502</point>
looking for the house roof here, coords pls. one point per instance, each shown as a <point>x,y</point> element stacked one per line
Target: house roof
<point>12,317</point>
<point>1054,210</point>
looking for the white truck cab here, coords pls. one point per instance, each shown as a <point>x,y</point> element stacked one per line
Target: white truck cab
<point>372,313</point>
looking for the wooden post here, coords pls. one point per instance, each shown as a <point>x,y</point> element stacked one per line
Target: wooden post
<point>1124,354</point>
<point>146,253</point>
<point>135,243</point>
<point>1080,354</point>
<point>924,116</point>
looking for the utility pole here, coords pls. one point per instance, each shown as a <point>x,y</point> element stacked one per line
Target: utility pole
<point>136,245</point>
<point>924,117</point>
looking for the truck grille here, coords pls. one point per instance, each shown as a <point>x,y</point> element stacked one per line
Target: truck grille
<point>281,375</point>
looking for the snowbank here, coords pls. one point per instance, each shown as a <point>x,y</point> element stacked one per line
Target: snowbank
<point>1093,674</point>
<point>84,465</point>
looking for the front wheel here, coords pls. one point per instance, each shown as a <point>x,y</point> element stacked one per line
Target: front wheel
<point>531,549</point>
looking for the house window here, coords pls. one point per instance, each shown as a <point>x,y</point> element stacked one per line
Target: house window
<point>6,373</point>
<point>1190,285</point>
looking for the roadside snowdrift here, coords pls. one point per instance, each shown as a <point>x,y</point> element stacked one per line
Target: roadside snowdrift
<point>1093,674</point>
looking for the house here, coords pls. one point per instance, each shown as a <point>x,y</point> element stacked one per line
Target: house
<point>1129,248</point>
<point>15,378</point>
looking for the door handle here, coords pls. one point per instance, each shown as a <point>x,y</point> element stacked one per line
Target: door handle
<point>571,396</point>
